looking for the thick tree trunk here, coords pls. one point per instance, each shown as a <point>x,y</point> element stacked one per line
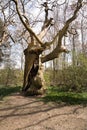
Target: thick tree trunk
<point>32,54</point>
<point>33,75</point>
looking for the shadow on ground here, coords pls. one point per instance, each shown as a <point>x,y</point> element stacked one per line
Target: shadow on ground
<point>20,113</point>
<point>69,98</point>
<point>52,95</point>
<point>6,91</point>
<point>31,113</point>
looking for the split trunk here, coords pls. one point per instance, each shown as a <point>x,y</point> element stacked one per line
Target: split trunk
<point>33,72</point>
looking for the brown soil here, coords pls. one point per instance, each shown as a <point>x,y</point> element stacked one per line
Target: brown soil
<point>29,113</point>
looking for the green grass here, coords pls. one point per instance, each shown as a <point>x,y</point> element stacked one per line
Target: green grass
<point>72,98</point>
<point>6,91</point>
<point>53,95</point>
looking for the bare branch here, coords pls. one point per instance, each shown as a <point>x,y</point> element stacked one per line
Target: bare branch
<point>47,21</point>
<point>63,31</point>
<point>55,53</point>
<point>23,6</point>
<point>26,25</point>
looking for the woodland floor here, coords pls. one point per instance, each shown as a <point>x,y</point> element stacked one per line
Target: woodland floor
<point>31,113</point>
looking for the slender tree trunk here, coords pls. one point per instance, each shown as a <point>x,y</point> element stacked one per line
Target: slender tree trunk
<point>82,36</point>
<point>73,52</point>
<point>64,55</point>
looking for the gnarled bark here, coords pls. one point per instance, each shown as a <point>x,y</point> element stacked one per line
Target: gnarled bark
<point>32,74</point>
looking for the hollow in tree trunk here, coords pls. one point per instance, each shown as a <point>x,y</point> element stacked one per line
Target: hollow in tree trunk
<point>33,72</point>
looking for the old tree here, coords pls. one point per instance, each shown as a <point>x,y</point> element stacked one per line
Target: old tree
<point>33,77</point>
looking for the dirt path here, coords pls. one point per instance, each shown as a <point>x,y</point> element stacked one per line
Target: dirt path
<point>29,113</point>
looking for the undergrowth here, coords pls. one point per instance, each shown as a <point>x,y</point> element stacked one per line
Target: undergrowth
<point>53,94</point>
